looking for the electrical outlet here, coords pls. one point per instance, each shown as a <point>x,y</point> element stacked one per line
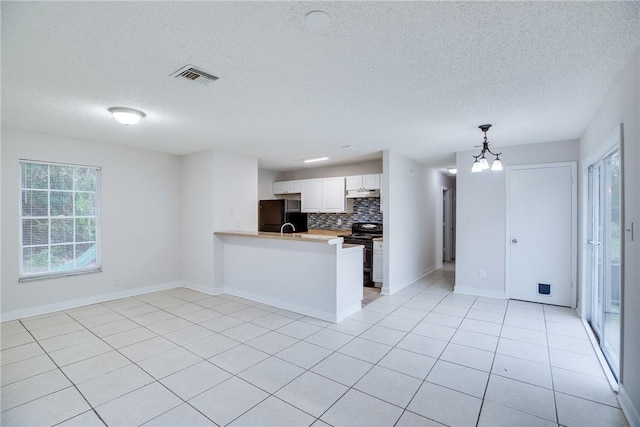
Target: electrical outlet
<point>339,221</point>
<point>116,283</point>
<point>483,274</point>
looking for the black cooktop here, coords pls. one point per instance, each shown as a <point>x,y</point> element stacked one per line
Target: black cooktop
<point>362,236</point>
<point>364,231</point>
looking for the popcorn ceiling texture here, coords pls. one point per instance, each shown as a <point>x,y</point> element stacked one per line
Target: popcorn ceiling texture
<point>413,76</point>
<point>364,210</point>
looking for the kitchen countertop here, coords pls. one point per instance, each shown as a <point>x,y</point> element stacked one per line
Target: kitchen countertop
<point>319,238</point>
<point>377,239</point>
<point>328,232</point>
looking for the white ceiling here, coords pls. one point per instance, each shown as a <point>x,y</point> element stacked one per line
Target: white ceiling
<point>417,77</point>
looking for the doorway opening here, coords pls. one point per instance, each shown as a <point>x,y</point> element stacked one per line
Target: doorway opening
<point>448,225</point>
<point>605,243</point>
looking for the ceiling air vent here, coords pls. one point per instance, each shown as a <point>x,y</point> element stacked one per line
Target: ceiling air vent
<point>194,74</point>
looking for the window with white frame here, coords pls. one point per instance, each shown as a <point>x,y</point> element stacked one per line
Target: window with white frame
<point>59,219</point>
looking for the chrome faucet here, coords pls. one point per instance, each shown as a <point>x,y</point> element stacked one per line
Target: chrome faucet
<point>284,225</point>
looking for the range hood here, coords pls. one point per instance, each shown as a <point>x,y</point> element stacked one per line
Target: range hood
<point>360,194</point>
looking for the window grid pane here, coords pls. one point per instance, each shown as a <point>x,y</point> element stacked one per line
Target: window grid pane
<point>60,212</point>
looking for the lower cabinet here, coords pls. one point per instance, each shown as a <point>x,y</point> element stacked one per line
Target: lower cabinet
<point>377,263</point>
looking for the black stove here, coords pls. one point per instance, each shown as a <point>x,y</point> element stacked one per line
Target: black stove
<point>363,233</point>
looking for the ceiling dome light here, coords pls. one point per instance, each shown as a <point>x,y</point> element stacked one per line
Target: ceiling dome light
<point>126,116</point>
<point>317,19</point>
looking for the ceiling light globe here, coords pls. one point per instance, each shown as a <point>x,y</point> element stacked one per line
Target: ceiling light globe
<point>126,116</point>
<point>476,167</point>
<point>497,165</point>
<point>484,164</point>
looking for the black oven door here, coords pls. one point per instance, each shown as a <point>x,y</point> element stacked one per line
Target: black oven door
<point>367,259</point>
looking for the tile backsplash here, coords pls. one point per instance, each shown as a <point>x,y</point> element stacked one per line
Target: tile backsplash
<point>364,210</point>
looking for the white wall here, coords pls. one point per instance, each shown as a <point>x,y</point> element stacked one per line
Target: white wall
<point>412,204</point>
<point>481,214</point>
<point>622,105</point>
<point>266,177</point>
<point>235,191</point>
<point>140,207</point>
<point>220,192</point>
<point>361,168</point>
<point>197,219</point>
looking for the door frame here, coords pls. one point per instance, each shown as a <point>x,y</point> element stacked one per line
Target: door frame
<point>574,223</point>
<point>448,212</point>
<point>613,140</point>
<point>608,144</point>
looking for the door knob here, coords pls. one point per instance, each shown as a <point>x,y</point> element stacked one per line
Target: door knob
<point>514,241</point>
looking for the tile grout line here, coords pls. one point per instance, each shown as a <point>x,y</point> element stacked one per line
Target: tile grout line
<point>493,361</point>
<point>442,299</point>
<point>73,384</point>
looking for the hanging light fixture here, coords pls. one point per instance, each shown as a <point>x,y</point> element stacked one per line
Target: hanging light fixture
<point>481,163</point>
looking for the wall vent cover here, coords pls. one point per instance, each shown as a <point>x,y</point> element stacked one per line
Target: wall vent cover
<point>194,74</point>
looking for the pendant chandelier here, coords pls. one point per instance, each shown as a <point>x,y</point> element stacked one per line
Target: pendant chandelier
<point>481,163</point>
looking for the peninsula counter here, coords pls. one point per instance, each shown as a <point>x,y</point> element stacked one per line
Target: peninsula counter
<point>313,275</point>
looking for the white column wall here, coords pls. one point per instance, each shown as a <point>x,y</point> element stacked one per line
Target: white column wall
<point>412,205</point>
<point>197,220</point>
<point>220,190</point>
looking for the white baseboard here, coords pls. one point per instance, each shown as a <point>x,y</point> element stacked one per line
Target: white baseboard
<point>343,314</point>
<point>385,286</point>
<point>318,314</point>
<point>631,412</point>
<point>66,305</point>
<point>203,289</point>
<point>479,292</point>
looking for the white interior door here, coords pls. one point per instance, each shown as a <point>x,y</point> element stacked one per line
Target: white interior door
<point>541,230</point>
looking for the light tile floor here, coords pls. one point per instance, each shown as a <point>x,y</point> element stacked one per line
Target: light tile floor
<point>424,356</point>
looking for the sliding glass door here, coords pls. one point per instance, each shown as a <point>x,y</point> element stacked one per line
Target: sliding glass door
<point>605,243</point>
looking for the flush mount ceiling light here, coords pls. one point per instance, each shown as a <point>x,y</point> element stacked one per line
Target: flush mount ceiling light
<point>481,163</point>
<point>317,159</point>
<point>317,19</point>
<point>126,116</point>
<point>452,171</point>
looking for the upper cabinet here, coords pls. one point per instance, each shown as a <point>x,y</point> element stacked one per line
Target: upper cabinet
<point>324,195</point>
<point>311,198</point>
<point>333,195</point>
<point>363,182</point>
<point>287,187</point>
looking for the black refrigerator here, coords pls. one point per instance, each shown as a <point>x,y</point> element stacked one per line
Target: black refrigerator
<point>274,213</point>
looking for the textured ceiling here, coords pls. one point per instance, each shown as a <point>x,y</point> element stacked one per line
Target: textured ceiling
<point>417,77</point>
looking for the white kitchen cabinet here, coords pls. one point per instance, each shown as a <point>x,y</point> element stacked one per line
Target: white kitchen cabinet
<point>311,196</point>
<point>333,195</point>
<point>354,182</point>
<point>363,182</point>
<point>287,187</point>
<point>377,263</point>
<point>371,182</point>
